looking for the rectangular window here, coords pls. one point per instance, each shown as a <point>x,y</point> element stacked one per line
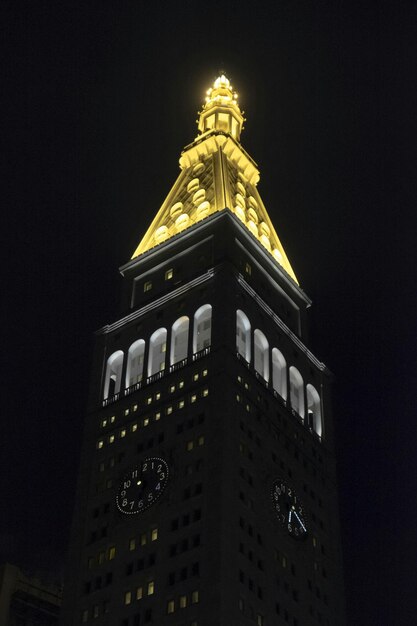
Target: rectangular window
<point>84,617</point>
<point>189,445</point>
<point>151,588</point>
<point>170,606</point>
<point>195,597</point>
<point>149,400</point>
<point>132,544</point>
<point>147,286</point>
<point>205,393</point>
<point>103,423</point>
<point>169,274</point>
<point>139,593</point>
<point>112,553</point>
<point>100,444</point>
<point>181,384</point>
<point>134,427</point>
<point>248,269</point>
<point>193,398</point>
<point>154,534</point>
<point>158,395</point>
<point>181,404</point>
<point>143,540</point>
<point>205,372</point>
<point>200,440</point>
<point>183,602</point>
<point>101,557</point>
<point>146,421</point>
<point>111,439</point>
<point>135,407</point>
<point>169,410</point>
<point>127,411</point>
<point>128,597</point>
<point>123,433</point>
<point>172,389</point>
<point>195,377</point>
<point>157,417</point>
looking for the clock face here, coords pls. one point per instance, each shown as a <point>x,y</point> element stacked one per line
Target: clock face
<point>289,509</point>
<point>142,486</point>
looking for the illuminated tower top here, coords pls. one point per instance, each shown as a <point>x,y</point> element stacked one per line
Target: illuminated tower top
<point>216,175</point>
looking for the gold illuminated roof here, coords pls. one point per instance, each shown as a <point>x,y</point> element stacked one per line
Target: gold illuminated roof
<point>216,174</point>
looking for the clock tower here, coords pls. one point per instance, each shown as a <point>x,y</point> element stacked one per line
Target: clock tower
<point>207,489</point>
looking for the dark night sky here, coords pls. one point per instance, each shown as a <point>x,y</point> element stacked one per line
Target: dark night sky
<point>101,97</point>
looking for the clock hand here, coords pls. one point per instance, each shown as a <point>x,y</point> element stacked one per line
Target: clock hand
<point>289,519</point>
<point>304,528</point>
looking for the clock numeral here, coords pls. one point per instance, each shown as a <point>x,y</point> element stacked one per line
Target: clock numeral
<point>127,484</point>
<point>140,504</point>
<point>135,473</point>
<point>144,467</point>
<point>158,487</point>
<point>123,493</point>
<point>150,496</point>
<point>162,476</point>
<point>124,502</point>
<point>131,504</point>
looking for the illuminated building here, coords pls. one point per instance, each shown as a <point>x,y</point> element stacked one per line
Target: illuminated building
<point>207,491</point>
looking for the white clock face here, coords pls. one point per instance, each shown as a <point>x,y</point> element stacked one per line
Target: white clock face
<point>289,509</point>
<point>142,486</point>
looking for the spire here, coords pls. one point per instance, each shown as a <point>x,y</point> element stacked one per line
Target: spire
<point>221,110</point>
<point>217,174</point>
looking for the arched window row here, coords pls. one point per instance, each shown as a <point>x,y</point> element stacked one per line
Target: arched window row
<point>271,367</point>
<point>154,352</point>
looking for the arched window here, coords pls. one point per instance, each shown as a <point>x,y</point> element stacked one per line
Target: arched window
<point>279,373</point>
<point>179,340</point>
<point>243,328</point>
<point>157,351</point>
<point>135,357</point>
<point>113,374</point>
<point>261,354</point>
<point>202,328</point>
<point>296,391</point>
<point>314,410</point>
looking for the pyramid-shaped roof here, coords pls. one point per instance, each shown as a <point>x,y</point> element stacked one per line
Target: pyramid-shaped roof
<point>216,174</point>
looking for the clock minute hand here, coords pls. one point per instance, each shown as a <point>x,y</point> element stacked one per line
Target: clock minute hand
<point>304,528</point>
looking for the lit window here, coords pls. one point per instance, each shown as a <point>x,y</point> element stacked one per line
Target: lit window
<point>202,328</point>
<point>243,335</point>
<point>123,433</point>
<point>103,423</point>
<point>172,388</point>
<point>139,593</point>
<point>171,606</point>
<point>112,419</point>
<point>147,286</point>
<point>149,400</point>
<point>183,602</point>
<point>181,384</point>
<point>195,377</point>
<point>169,274</point>
<point>113,376</point>
<point>193,398</point>
<point>100,444</point>
<point>205,393</point>
<point>101,557</point>
<point>112,552</point>
<point>134,427</point>
<point>157,349</point>
<point>157,417</point>
<point>200,440</point>
<point>169,410</point>
<point>259,620</point>
<point>135,407</point>
<point>158,395</point>
<point>127,411</point>
<point>296,391</point>
<point>146,421</point>
<point>248,269</point>
<point>205,372</point>
<point>128,597</point>
<point>195,597</point>
<point>248,408</point>
<point>189,445</point>
<point>181,404</point>
<point>132,544</point>
<point>238,397</point>
<point>151,588</point>
<point>261,350</point>
<point>143,539</point>
<point>111,439</point>
<point>179,340</point>
<point>95,611</point>
<point>154,534</point>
